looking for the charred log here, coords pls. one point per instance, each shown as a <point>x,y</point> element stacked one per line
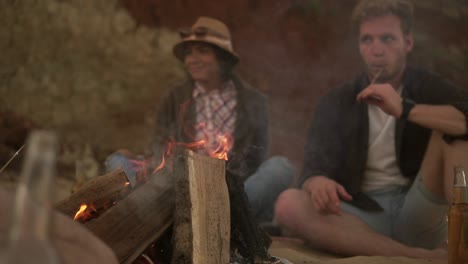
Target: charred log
<point>246,236</point>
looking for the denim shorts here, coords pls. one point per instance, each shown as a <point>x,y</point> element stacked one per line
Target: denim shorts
<point>412,215</point>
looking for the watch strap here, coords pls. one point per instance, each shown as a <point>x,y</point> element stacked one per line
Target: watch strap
<point>407,104</point>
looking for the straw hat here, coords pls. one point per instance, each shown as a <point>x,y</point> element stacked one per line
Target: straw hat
<point>206,30</point>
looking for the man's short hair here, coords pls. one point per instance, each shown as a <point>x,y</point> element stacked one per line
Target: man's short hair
<point>367,9</point>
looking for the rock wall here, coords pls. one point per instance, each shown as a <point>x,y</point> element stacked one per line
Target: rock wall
<point>94,70</point>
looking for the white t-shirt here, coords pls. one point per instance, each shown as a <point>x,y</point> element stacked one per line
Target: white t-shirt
<point>382,169</point>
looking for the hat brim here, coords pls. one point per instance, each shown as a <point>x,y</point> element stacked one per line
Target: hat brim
<point>178,49</point>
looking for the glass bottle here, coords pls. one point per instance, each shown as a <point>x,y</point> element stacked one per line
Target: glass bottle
<point>458,219</point>
<point>28,239</point>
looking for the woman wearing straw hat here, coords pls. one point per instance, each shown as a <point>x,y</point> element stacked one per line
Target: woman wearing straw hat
<point>213,102</point>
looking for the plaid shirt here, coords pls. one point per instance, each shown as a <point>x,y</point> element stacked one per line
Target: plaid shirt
<point>215,114</point>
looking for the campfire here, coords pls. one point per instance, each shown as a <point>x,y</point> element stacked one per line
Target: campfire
<point>204,208</point>
<point>88,211</point>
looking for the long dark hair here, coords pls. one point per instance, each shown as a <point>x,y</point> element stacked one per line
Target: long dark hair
<point>226,62</point>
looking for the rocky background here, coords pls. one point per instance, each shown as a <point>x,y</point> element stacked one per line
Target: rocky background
<point>94,70</point>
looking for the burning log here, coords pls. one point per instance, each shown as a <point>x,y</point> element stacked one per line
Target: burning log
<point>213,217</point>
<point>138,220</point>
<point>202,218</point>
<point>101,192</point>
<point>127,222</point>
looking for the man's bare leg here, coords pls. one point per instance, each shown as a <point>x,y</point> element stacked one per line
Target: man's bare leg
<point>439,162</point>
<point>348,235</point>
<point>342,234</point>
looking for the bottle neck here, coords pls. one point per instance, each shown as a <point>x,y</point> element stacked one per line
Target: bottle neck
<point>459,194</point>
<point>32,210</point>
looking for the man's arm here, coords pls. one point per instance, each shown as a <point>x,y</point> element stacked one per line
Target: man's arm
<point>324,153</point>
<point>444,118</point>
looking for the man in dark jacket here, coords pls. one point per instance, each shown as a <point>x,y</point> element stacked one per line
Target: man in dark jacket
<point>386,144</point>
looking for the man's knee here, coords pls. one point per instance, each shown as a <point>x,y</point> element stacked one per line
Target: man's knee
<point>441,157</point>
<point>288,205</point>
<point>446,145</point>
<point>460,147</point>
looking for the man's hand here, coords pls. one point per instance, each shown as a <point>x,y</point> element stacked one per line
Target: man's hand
<point>325,194</point>
<point>383,96</point>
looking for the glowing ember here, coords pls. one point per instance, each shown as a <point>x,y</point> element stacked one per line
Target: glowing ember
<point>80,211</point>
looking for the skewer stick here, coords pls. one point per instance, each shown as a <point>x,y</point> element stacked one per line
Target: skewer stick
<point>11,159</point>
<point>377,75</point>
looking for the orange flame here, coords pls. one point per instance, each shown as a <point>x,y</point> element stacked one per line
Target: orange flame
<point>80,211</point>
<point>161,166</point>
<point>85,212</point>
<point>141,168</point>
<point>196,144</point>
<point>89,211</point>
<point>221,151</point>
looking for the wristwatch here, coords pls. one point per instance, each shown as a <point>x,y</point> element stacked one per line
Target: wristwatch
<point>407,104</point>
